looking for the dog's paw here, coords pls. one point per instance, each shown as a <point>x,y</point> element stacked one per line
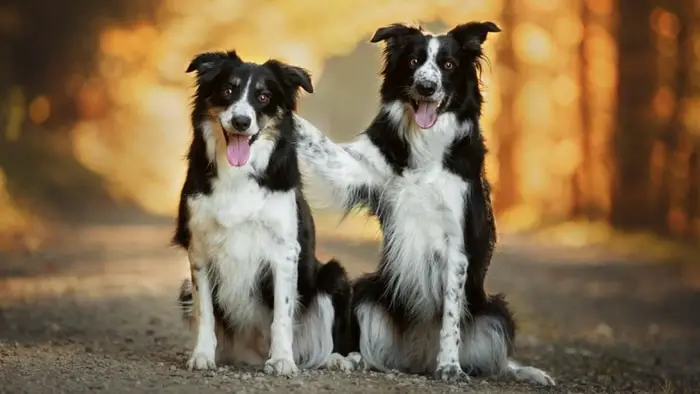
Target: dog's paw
<point>201,361</point>
<point>280,367</point>
<point>358,362</point>
<point>450,372</point>
<point>336,362</point>
<point>533,375</point>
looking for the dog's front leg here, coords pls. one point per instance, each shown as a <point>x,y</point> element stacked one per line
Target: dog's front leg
<point>338,175</point>
<point>448,367</point>
<point>284,271</point>
<point>204,353</point>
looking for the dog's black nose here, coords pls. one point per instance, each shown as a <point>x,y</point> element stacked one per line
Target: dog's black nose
<point>241,123</point>
<point>426,88</point>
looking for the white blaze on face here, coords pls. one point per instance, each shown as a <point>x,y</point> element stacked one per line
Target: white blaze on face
<point>238,148</point>
<point>430,70</point>
<point>429,73</point>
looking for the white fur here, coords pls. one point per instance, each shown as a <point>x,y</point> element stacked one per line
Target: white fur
<point>426,230</point>
<point>427,145</point>
<point>425,223</point>
<point>238,232</point>
<point>415,350</point>
<point>203,356</point>
<point>430,71</point>
<point>332,171</point>
<point>427,211</point>
<point>528,374</point>
<point>312,343</point>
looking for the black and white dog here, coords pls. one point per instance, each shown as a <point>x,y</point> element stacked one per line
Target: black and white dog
<point>257,293</point>
<point>419,167</point>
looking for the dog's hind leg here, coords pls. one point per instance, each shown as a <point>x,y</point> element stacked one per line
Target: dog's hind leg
<point>332,281</point>
<point>379,340</point>
<point>379,345</point>
<point>528,374</point>
<point>185,300</point>
<point>313,336</point>
<point>488,342</point>
<point>323,325</point>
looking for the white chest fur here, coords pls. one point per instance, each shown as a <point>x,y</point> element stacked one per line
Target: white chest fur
<point>242,228</point>
<point>427,210</point>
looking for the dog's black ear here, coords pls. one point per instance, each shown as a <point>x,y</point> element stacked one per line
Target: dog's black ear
<point>472,35</point>
<point>293,76</point>
<point>393,31</point>
<point>207,61</point>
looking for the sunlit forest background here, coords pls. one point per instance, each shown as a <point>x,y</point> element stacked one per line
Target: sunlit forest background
<point>592,112</point>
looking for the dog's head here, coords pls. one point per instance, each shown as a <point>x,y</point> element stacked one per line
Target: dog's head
<point>432,74</point>
<point>244,98</point>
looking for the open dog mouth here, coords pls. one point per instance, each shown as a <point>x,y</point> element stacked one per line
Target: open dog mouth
<point>238,148</point>
<point>425,111</point>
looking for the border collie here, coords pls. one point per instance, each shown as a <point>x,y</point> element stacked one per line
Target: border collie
<point>257,294</point>
<point>419,168</point>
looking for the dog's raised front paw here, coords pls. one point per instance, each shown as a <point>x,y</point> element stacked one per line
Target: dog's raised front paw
<point>450,372</point>
<point>201,361</point>
<point>281,367</point>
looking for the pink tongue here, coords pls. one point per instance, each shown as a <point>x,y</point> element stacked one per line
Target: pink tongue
<point>426,114</point>
<point>238,150</point>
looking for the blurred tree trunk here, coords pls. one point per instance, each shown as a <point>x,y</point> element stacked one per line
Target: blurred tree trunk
<point>539,127</point>
<point>669,216</point>
<point>506,192</point>
<point>596,78</point>
<point>581,182</point>
<point>636,126</point>
<point>691,204</point>
<point>657,181</point>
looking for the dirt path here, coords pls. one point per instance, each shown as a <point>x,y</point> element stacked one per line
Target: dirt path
<point>95,312</point>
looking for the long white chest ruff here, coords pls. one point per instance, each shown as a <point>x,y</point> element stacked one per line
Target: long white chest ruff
<point>426,211</point>
<point>243,228</point>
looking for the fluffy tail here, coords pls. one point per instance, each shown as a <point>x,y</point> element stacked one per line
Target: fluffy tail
<point>333,280</point>
<point>186,301</point>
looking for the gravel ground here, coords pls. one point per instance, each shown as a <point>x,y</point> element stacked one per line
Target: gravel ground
<point>95,311</point>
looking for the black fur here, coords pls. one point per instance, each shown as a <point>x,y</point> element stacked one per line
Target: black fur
<point>464,158</point>
<point>215,72</point>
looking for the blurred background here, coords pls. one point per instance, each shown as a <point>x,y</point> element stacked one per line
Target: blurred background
<point>592,113</point>
<point>592,117</point>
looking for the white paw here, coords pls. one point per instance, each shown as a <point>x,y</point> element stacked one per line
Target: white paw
<point>336,362</point>
<point>534,375</point>
<point>358,363</point>
<point>280,367</point>
<point>201,360</point>
<point>451,372</point>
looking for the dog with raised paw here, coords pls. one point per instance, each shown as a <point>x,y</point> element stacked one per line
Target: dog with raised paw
<point>257,294</point>
<point>419,168</point>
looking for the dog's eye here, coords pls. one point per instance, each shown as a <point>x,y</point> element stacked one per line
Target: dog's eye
<point>449,65</point>
<point>227,92</point>
<point>413,62</point>
<point>264,98</point>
